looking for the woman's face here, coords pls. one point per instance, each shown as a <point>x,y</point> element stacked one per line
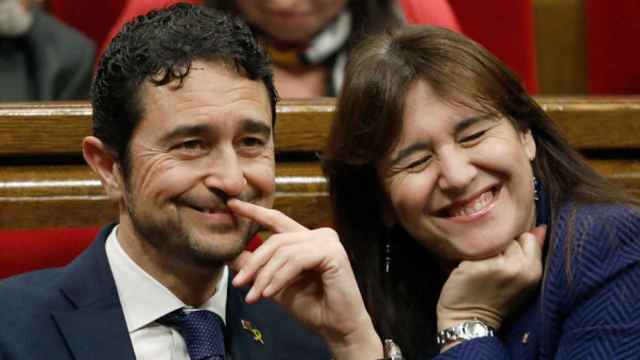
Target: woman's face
<point>292,21</point>
<point>458,181</point>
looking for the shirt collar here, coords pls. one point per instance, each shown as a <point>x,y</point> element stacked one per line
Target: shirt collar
<point>143,298</point>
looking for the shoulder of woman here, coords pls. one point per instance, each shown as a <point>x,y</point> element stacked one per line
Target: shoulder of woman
<point>594,243</point>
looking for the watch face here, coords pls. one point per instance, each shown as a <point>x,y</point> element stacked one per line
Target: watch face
<point>474,329</point>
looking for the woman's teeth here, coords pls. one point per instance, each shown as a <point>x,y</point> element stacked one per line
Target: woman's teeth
<point>476,205</point>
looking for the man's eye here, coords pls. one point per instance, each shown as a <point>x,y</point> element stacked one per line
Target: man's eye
<point>191,145</point>
<point>252,142</point>
<point>474,136</point>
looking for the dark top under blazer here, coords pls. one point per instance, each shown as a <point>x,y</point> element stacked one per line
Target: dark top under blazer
<point>595,315</point>
<point>74,313</point>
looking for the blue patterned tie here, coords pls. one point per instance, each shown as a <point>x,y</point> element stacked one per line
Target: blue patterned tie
<point>202,331</point>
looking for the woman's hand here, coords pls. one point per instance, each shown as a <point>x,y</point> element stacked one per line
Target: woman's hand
<point>490,289</point>
<point>309,274</point>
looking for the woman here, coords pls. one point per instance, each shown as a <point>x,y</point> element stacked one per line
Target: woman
<point>308,40</point>
<point>441,169</point>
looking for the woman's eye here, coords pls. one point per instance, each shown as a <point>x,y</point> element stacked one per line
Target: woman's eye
<point>420,163</point>
<point>473,136</point>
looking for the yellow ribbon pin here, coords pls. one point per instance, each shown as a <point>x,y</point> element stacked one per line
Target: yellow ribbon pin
<point>257,335</point>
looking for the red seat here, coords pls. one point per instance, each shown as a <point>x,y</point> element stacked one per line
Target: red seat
<point>93,18</point>
<point>506,28</point>
<point>134,8</point>
<point>33,249</point>
<point>26,250</point>
<point>613,57</point>
<point>433,12</point>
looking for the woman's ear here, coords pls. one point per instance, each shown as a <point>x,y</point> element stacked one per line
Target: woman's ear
<point>103,162</point>
<point>529,144</point>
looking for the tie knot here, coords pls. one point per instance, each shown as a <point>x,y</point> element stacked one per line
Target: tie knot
<point>202,331</point>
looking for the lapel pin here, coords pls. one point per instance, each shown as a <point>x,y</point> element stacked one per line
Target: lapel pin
<point>525,338</point>
<point>257,335</point>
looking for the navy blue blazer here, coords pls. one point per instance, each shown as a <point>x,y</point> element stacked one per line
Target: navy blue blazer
<point>594,314</point>
<point>74,313</point>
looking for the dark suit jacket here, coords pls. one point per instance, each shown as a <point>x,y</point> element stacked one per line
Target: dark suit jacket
<point>50,62</point>
<point>595,314</point>
<point>74,313</point>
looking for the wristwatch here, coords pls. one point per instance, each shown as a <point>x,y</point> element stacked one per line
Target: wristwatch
<point>466,330</point>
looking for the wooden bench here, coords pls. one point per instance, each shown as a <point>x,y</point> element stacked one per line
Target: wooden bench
<point>44,182</point>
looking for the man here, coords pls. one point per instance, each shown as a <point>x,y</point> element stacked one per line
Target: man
<point>40,57</point>
<point>184,109</point>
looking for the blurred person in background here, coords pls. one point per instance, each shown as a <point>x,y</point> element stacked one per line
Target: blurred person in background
<point>41,58</point>
<point>309,40</point>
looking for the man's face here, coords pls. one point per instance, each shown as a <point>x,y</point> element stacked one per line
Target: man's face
<point>196,147</point>
<point>15,18</point>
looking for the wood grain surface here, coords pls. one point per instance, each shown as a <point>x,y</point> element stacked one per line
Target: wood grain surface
<point>44,193</point>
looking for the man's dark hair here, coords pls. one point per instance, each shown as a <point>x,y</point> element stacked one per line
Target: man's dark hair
<point>160,47</point>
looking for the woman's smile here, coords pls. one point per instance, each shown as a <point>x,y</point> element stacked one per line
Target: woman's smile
<point>475,208</point>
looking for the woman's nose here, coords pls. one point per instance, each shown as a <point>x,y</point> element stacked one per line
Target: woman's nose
<point>456,169</point>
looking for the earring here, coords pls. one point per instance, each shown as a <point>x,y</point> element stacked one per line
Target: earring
<point>387,255</point>
<point>536,194</point>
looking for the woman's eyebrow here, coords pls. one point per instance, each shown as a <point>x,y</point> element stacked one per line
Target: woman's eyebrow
<point>470,121</point>
<point>404,153</point>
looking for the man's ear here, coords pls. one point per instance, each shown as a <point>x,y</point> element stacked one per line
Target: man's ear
<point>529,144</point>
<point>104,163</point>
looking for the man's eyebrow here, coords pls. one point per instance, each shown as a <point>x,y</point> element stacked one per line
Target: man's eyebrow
<point>247,126</point>
<point>252,126</point>
<point>185,131</point>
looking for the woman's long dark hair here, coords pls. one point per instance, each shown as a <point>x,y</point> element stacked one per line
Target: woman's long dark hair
<point>367,125</point>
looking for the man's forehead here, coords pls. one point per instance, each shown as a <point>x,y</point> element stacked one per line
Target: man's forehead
<point>211,92</point>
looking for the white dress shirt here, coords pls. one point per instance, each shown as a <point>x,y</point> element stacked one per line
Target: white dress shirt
<point>144,300</point>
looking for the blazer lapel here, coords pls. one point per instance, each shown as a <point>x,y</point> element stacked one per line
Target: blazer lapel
<point>95,328</point>
<point>95,334</point>
<point>246,336</point>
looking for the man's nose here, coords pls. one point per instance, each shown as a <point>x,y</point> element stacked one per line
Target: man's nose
<point>456,169</point>
<point>226,173</point>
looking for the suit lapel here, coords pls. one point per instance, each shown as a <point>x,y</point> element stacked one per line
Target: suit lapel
<point>95,334</point>
<point>247,337</point>
<point>95,328</point>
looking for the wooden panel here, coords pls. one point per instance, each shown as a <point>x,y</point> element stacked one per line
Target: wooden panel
<point>43,128</point>
<point>71,196</point>
<point>55,195</point>
<point>604,123</point>
<point>561,46</point>
<point>57,128</point>
<point>303,125</point>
